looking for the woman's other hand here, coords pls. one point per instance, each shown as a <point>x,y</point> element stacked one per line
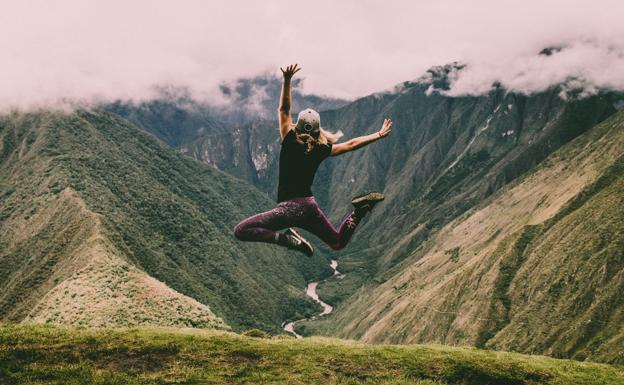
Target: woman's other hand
<point>385,128</point>
<point>290,71</point>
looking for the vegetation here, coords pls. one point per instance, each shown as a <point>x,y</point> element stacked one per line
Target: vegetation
<point>509,264</point>
<point>55,355</point>
<point>539,266</point>
<point>453,254</point>
<point>449,182</point>
<point>88,184</point>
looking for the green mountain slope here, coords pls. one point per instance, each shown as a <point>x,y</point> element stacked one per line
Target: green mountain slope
<point>536,267</point>
<point>47,355</point>
<point>98,216</point>
<point>447,154</point>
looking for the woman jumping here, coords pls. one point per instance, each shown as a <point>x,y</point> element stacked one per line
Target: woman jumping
<point>304,146</point>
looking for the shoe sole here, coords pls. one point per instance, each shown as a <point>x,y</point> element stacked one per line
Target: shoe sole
<point>302,239</point>
<point>371,197</point>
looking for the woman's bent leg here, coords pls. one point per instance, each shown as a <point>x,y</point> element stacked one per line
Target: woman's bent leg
<point>263,227</point>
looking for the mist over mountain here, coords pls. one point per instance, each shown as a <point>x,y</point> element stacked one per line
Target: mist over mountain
<point>250,99</point>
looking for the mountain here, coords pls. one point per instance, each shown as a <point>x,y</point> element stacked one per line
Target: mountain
<point>536,267</point>
<point>56,355</point>
<point>249,152</point>
<point>174,119</point>
<point>446,156</point>
<point>102,224</point>
<point>428,124</point>
<point>480,192</point>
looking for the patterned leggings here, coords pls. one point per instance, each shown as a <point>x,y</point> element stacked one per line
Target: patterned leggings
<point>298,212</point>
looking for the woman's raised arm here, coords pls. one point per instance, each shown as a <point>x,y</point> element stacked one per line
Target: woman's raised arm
<point>285,121</point>
<point>361,141</point>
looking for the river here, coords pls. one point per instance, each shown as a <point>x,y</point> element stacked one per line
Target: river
<point>311,292</point>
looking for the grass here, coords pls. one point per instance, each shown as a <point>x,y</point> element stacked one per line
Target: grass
<point>60,355</point>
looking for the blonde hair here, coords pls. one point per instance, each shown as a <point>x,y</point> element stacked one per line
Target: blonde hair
<point>325,137</point>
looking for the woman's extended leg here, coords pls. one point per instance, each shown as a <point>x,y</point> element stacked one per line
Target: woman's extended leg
<point>319,225</point>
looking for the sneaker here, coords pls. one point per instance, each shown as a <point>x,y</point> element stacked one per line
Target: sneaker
<point>297,242</point>
<point>365,203</point>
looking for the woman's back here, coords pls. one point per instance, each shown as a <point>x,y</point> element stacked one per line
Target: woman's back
<point>297,167</point>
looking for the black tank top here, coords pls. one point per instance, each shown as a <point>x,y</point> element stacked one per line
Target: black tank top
<point>297,167</point>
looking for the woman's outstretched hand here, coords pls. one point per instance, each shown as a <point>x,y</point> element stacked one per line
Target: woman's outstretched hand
<point>290,71</point>
<point>385,128</point>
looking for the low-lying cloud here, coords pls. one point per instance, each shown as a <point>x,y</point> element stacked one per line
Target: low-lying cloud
<point>584,66</point>
<point>90,51</point>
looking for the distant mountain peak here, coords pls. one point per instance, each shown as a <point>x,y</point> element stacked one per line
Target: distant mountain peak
<point>549,51</point>
<point>436,78</point>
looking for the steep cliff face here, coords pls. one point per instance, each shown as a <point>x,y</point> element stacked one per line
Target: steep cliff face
<point>102,224</point>
<point>249,152</point>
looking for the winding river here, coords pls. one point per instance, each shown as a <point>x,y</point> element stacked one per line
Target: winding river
<point>311,292</point>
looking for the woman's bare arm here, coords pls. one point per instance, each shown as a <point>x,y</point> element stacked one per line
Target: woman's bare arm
<point>361,141</point>
<point>285,121</point>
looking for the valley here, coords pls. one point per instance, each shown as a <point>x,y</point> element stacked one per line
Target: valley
<point>451,158</point>
<point>336,193</point>
<point>311,292</point>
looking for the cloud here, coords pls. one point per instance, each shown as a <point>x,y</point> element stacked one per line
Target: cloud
<point>584,65</point>
<point>81,50</point>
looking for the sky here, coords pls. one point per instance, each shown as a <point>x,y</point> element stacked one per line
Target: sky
<point>91,51</point>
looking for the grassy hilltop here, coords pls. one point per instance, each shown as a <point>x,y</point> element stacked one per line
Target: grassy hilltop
<point>55,355</point>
